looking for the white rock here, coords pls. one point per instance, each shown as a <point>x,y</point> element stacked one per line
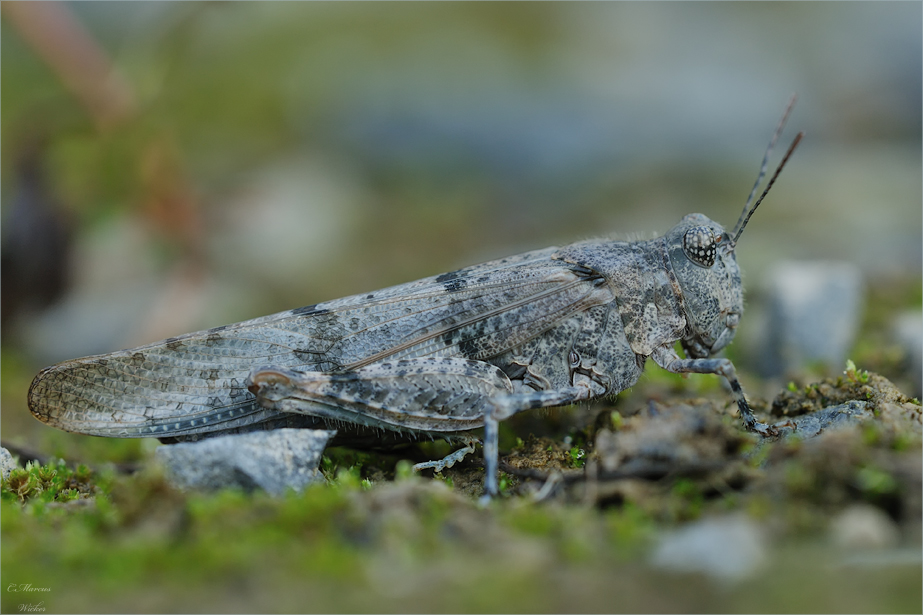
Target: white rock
<point>7,463</point>
<point>270,460</point>
<point>908,332</point>
<point>726,548</point>
<point>862,526</point>
<point>814,309</point>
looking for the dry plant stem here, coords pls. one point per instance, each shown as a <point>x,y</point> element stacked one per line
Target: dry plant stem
<point>52,30</point>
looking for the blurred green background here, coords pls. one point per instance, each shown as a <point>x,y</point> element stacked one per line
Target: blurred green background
<point>169,167</point>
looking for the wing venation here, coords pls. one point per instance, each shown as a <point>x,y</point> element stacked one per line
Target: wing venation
<point>196,383</point>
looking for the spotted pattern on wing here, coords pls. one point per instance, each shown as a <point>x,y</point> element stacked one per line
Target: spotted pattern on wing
<point>193,384</point>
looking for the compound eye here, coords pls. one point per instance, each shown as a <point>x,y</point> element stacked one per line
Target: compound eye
<point>700,246</point>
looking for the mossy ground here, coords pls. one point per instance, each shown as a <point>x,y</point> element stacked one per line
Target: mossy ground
<point>587,493</point>
<point>376,538</point>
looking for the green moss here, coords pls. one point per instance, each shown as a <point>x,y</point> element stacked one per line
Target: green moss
<point>379,537</point>
<point>615,420</point>
<point>52,482</point>
<point>404,470</point>
<point>687,501</point>
<point>629,529</point>
<point>576,457</point>
<point>855,376</point>
<point>533,520</point>
<point>799,480</point>
<point>505,482</point>
<point>875,482</point>
<point>357,465</point>
<point>394,546</point>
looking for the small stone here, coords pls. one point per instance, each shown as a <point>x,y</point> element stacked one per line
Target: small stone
<point>814,310</point>
<point>908,332</point>
<point>832,417</point>
<point>825,420</point>
<point>728,549</point>
<point>669,437</point>
<point>270,460</point>
<point>7,463</point>
<point>862,526</point>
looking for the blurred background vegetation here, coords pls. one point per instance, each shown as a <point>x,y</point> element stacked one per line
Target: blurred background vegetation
<point>168,167</point>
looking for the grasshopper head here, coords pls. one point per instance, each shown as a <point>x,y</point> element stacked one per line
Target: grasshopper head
<point>702,255</point>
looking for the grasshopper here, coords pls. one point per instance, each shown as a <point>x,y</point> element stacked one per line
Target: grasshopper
<point>441,356</point>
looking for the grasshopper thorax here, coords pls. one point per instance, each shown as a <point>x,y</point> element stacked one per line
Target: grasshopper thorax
<point>703,260</point>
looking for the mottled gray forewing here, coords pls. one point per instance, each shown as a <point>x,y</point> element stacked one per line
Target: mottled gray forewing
<point>196,383</point>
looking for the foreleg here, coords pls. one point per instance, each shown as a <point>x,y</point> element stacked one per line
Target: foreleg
<point>667,358</point>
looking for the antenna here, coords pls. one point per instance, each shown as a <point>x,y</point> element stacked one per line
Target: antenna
<point>775,136</point>
<point>791,148</point>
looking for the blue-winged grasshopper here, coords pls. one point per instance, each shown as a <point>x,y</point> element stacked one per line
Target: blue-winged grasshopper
<point>442,356</point>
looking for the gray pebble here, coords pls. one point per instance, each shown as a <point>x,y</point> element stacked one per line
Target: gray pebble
<point>727,549</point>
<point>862,526</point>
<point>270,460</point>
<point>810,425</point>
<point>908,332</point>
<point>813,315</point>
<point>7,463</point>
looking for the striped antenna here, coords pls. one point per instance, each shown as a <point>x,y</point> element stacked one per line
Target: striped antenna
<point>788,154</point>
<point>745,214</point>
